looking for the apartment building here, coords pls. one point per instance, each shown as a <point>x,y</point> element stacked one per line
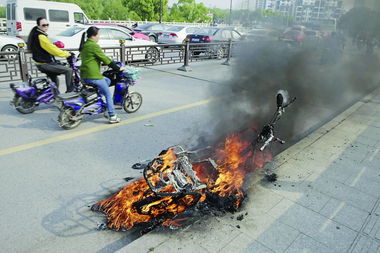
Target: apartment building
<point>305,10</point>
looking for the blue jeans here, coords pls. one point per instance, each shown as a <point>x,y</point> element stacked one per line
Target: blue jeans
<point>103,85</point>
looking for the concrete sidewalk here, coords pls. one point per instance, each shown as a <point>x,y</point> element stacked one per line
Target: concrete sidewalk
<point>326,199</point>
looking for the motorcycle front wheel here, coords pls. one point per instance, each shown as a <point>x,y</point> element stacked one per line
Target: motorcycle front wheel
<point>23,105</point>
<point>132,102</point>
<point>66,119</point>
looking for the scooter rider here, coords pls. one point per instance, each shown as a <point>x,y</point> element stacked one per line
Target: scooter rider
<point>44,51</point>
<point>92,56</point>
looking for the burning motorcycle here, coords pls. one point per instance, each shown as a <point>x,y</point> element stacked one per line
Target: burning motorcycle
<point>28,95</point>
<point>74,106</point>
<point>203,180</point>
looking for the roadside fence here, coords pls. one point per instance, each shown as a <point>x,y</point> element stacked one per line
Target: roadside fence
<point>131,22</point>
<point>19,65</point>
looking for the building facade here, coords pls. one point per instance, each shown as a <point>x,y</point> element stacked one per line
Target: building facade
<point>305,11</point>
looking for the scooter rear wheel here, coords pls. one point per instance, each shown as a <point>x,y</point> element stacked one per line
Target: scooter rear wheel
<point>65,119</point>
<point>23,105</point>
<point>132,102</point>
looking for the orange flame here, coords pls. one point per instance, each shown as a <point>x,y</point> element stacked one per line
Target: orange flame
<point>176,222</point>
<point>136,203</point>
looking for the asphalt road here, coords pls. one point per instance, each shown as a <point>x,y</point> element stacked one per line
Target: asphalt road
<point>51,176</point>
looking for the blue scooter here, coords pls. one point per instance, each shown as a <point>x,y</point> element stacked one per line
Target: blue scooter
<point>28,95</point>
<point>74,106</point>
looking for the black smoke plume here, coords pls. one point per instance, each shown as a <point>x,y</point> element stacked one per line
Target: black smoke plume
<point>325,76</point>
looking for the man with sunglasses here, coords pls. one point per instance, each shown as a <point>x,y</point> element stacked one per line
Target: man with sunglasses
<point>43,52</point>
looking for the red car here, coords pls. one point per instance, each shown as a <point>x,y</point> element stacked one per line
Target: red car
<point>293,36</point>
<point>135,34</point>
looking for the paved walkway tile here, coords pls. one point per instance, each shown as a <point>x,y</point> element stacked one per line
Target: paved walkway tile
<point>372,132</point>
<point>256,247</point>
<point>278,237</point>
<point>300,193</point>
<point>317,226</point>
<point>260,200</point>
<point>305,244</point>
<point>344,193</point>
<point>183,246</point>
<point>372,142</point>
<point>366,244</point>
<point>342,170</point>
<point>245,244</point>
<point>205,234</point>
<point>372,227</point>
<point>345,214</point>
<point>366,184</point>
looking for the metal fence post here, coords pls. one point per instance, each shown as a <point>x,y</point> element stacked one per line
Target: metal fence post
<point>22,62</point>
<point>122,51</point>
<point>227,62</point>
<point>186,66</point>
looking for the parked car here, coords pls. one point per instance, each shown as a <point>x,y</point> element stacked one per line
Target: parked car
<point>312,35</point>
<point>9,44</point>
<point>176,34</point>
<point>22,16</point>
<point>207,35</point>
<point>110,36</point>
<point>151,30</point>
<point>214,35</point>
<point>297,27</point>
<point>261,34</point>
<point>133,33</point>
<point>293,36</point>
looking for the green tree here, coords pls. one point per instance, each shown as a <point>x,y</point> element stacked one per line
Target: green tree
<point>220,15</point>
<point>147,9</point>
<point>114,9</point>
<point>189,11</point>
<point>2,12</point>
<point>183,10</point>
<point>93,8</point>
<point>175,14</point>
<point>157,8</point>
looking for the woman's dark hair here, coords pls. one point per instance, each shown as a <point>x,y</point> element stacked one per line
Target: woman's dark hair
<point>30,37</point>
<point>92,31</point>
<point>39,20</point>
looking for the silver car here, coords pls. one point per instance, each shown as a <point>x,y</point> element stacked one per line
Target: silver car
<point>176,34</point>
<point>10,44</point>
<point>110,37</point>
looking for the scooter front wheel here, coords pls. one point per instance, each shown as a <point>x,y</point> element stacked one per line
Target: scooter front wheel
<point>23,105</point>
<point>67,120</point>
<point>132,102</point>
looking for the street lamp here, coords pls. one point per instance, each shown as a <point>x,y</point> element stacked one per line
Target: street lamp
<point>229,23</point>
<point>160,11</point>
<point>319,9</point>
<point>288,11</point>
<point>248,13</point>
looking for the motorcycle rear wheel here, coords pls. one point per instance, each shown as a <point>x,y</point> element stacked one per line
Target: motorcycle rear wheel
<point>132,102</point>
<point>23,105</point>
<point>65,119</point>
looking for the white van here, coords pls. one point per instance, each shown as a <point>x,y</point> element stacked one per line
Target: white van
<point>22,16</point>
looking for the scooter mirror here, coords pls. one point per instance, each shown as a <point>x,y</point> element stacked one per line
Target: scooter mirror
<point>283,99</point>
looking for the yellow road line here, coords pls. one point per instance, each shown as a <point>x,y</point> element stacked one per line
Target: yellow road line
<point>100,128</point>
